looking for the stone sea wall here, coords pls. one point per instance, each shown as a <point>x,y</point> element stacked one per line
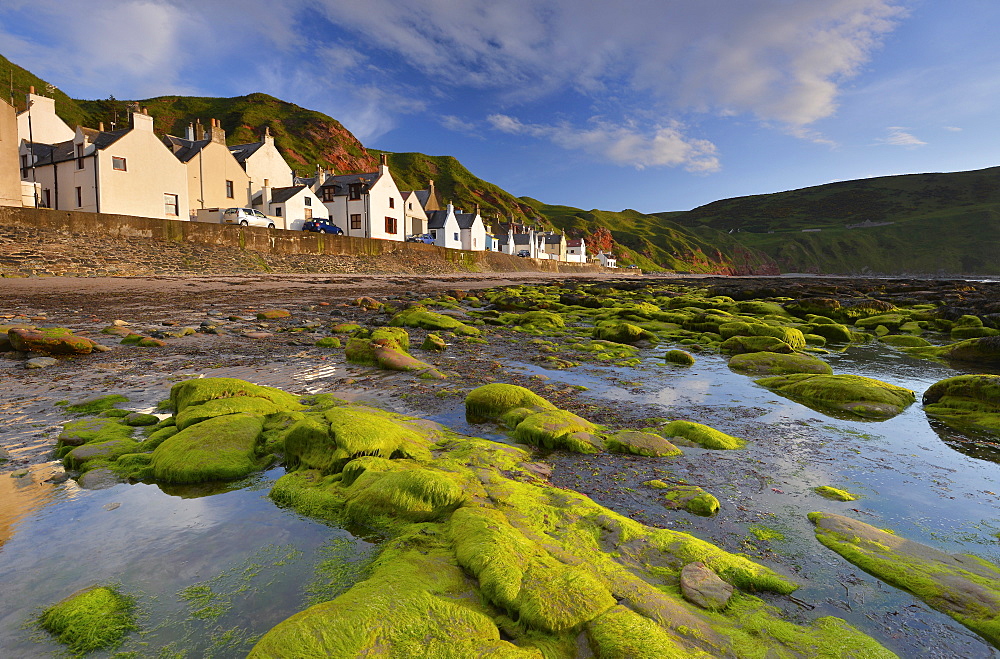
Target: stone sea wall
<point>45,242</point>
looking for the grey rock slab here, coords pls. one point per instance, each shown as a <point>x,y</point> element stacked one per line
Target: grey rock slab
<point>41,362</point>
<point>702,586</point>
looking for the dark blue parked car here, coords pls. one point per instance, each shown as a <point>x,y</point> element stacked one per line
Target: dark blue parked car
<point>322,226</point>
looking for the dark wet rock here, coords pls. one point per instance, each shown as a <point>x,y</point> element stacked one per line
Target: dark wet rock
<point>963,586</point>
<point>98,479</point>
<point>845,394</point>
<point>700,585</point>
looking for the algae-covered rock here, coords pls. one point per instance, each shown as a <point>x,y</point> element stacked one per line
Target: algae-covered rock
<point>966,401</point>
<point>492,401</point>
<point>95,404</point>
<point>619,332</point>
<point>833,493</point>
<point>433,342</point>
<point>700,435</point>
<point>558,429</point>
<point>421,317</point>
<point>903,341</point>
<point>622,633</point>
<point>681,496</point>
<point>702,586</point>
<point>328,342</point>
<point>641,443</point>
<point>832,332</point>
<point>77,433</point>
<point>679,357</point>
<point>790,335</point>
<point>961,585</point>
<point>985,350</point>
<point>219,448</point>
<point>273,314</point>
<point>140,419</point>
<point>49,341</point>
<point>846,394</point>
<point>773,363</point>
<point>108,450</point>
<point>737,345</point>
<point>202,390</point>
<point>539,320</point>
<point>890,321</point>
<point>95,618</point>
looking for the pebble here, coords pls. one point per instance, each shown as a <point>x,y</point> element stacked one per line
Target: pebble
<point>41,362</point>
<point>257,335</point>
<point>119,323</point>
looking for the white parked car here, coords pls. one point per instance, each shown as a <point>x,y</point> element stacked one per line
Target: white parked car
<point>247,217</point>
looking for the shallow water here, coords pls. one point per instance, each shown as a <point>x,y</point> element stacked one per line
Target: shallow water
<point>211,571</point>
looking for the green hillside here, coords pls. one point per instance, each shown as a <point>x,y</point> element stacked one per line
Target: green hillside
<point>16,82</point>
<point>915,223</point>
<point>655,243</point>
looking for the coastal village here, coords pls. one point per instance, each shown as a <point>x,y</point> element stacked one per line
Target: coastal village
<point>46,163</point>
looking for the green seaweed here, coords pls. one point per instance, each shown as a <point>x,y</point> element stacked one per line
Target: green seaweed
<point>700,434</point>
<point>95,618</point>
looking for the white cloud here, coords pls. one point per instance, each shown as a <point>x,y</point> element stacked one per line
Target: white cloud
<point>623,145</point>
<point>898,136</point>
<point>953,129</point>
<point>459,125</point>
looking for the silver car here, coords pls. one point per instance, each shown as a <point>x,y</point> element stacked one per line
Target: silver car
<point>246,217</point>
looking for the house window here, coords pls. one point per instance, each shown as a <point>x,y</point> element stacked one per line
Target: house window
<point>229,190</point>
<point>24,165</point>
<point>354,191</point>
<point>309,213</point>
<point>456,236</point>
<point>356,221</point>
<point>170,206</point>
<point>309,201</point>
<point>277,211</point>
<point>434,234</point>
<point>79,156</point>
<point>410,205</point>
<point>392,202</point>
<point>328,194</point>
<point>390,225</point>
<point>79,197</point>
<point>118,164</point>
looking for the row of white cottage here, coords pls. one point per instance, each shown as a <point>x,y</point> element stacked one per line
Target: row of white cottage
<point>130,171</point>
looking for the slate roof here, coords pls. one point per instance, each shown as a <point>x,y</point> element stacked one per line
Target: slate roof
<point>243,151</point>
<point>465,220</point>
<point>341,183</point>
<point>553,239</point>
<point>522,239</point>
<point>280,195</point>
<point>437,219</point>
<point>65,151</point>
<point>575,242</point>
<point>183,148</point>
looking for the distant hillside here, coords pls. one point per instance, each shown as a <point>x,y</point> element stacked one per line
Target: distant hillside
<point>917,223</point>
<point>654,243</point>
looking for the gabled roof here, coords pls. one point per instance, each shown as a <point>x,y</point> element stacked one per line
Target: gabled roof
<point>437,219</point>
<point>243,151</point>
<point>104,139</point>
<point>183,148</point>
<point>340,184</point>
<point>280,195</point>
<point>553,239</point>
<point>502,240</point>
<point>466,220</point>
<point>64,151</point>
<point>575,242</point>
<point>522,239</point>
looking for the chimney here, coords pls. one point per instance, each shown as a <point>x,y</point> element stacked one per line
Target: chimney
<point>384,167</point>
<point>199,130</point>
<point>265,197</point>
<point>267,139</point>
<point>31,89</point>
<point>189,132</point>
<point>320,176</point>
<point>215,132</point>
<point>100,126</point>
<point>477,209</point>
<point>141,121</point>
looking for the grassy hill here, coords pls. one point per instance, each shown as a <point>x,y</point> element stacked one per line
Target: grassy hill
<point>655,243</point>
<point>915,223</point>
<point>16,82</point>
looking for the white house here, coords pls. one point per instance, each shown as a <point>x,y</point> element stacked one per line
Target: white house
<point>606,260</point>
<point>40,123</point>
<point>415,216</point>
<point>366,205</point>
<point>444,228</point>
<point>293,205</point>
<point>262,160</point>
<point>472,231</point>
<point>10,176</point>
<point>576,250</point>
<point>551,246</point>
<point>215,178</point>
<point>127,171</point>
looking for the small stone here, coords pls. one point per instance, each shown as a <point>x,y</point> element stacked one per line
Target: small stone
<point>119,323</point>
<point>98,479</point>
<point>272,314</point>
<point>41,362</point>
<point>257,335</point>
<point>700,585</point>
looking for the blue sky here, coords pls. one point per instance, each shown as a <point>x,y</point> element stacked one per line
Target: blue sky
<point>648,104</point>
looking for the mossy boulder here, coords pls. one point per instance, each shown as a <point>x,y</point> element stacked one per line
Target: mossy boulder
<point>95,618</point>
<point>641,443</point>
<point>790,335</point>
<point>966,401</point>
<point>891,321</point>
<point>490,402</point>
<point>681,496</point>
<point>697,434</point>
<point>431,320</point>
<point>95,404</point>
<point>433,342</point>
<point>851,395</point>
<point>558,429</point>
<point>273,314</point>
<point>219,448</point>
<point>203,390</point>
<point>679,357</point>
<point>960,585</point>
<point>773,363</point>
<point>537,320</point>
<point>101,429</point>
<point>738,345</point>
<point>328,342</point>
<point>832,332</point>
<point>619,332</point>
<point>834,493</point>
<point>49,341</point>
<point>984,350</point>
<point>903,341</point>
<point>104,451</point>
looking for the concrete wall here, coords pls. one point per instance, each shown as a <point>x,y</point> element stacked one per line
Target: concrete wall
<point>49,242</point>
